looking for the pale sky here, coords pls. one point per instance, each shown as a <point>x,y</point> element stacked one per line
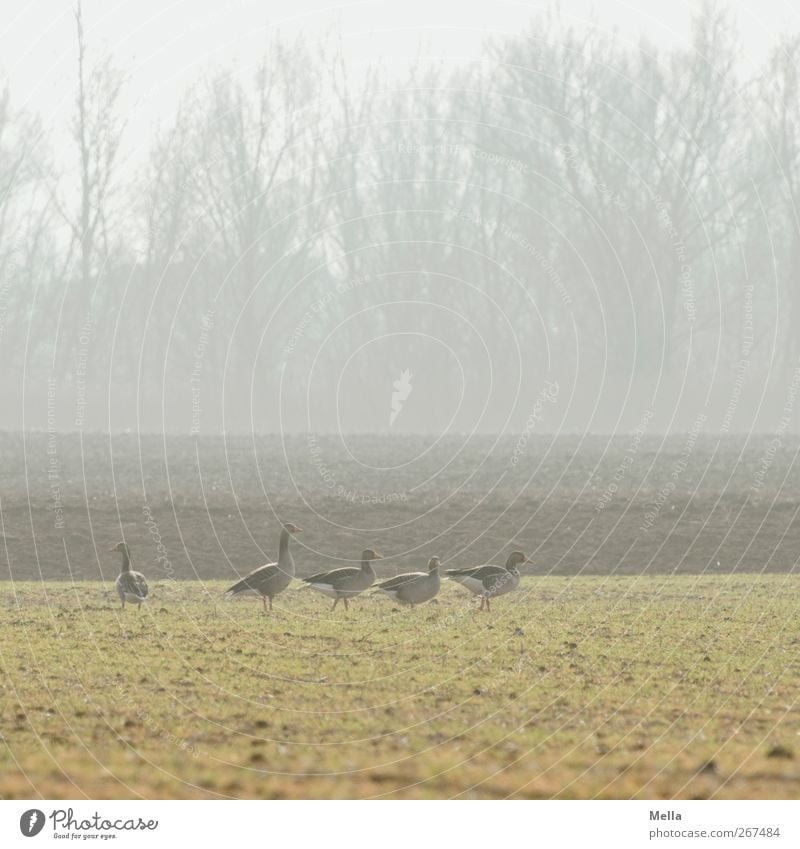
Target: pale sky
<point>162,45</point>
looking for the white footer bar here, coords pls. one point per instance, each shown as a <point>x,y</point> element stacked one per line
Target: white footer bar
<point>402,825</point>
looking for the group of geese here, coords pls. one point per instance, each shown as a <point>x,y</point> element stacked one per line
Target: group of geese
<point>411,588</point>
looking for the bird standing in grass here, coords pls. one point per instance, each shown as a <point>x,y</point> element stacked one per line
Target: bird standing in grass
<point>490,581</point>
<point>413,587</point>
<point>272,578</point>
<point>131,586</point>
<point>348,582</point>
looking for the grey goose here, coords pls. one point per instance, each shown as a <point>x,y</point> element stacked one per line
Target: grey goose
<point>347,582</point>
<point>413,587</point>
<point>272,578</point>
<point>490,581</point>
<point>131,586</point>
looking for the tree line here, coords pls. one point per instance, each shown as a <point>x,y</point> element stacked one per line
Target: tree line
<point>618,219</point>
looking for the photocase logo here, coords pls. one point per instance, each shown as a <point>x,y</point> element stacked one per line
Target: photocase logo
<point>402,389</point>
<point>65,824</point>
<point>31,822</point>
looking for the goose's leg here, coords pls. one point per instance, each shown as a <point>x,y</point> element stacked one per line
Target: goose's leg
<point>488,606</point>
<point>483,600</point>
<point>335,602</point>
<point>270,604</point>
<point>346,607</point>
<point>264,602</point>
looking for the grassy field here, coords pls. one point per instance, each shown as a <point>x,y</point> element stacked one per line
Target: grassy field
<point>652,686</point>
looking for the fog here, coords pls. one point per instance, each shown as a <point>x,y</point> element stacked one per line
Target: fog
<point>569,231</point>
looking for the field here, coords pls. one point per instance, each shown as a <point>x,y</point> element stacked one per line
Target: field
<point>585,687</point>
<point>651,652</point>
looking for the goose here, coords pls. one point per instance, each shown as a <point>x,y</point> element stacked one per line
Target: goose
<point>342,584</point>
<point>413,587</point>
<point>490,581</point>
<point>272,578</point>
<point>131,586</point>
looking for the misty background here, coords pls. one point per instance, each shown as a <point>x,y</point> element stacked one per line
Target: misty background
<point>570,230</point>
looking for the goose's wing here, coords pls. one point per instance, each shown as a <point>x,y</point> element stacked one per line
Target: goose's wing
<point>333,577</point>
<point>399,580</point>
<point>489,572</point>
<point>133,583</point>
<point>254,580</point>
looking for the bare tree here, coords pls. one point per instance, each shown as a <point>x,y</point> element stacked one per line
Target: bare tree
<point>97,129</point>
<point>779,103</point>
<point>28,253</point>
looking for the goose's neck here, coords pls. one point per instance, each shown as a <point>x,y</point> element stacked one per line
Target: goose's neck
<point>284,555</point>
<point>367,567</point>
<point>126,560</point>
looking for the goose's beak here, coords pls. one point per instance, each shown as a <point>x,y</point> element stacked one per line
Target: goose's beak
<point>378,556</point>
<point>528,560</point>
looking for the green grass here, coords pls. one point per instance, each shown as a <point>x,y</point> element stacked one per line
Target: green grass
<point>590,687</point>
